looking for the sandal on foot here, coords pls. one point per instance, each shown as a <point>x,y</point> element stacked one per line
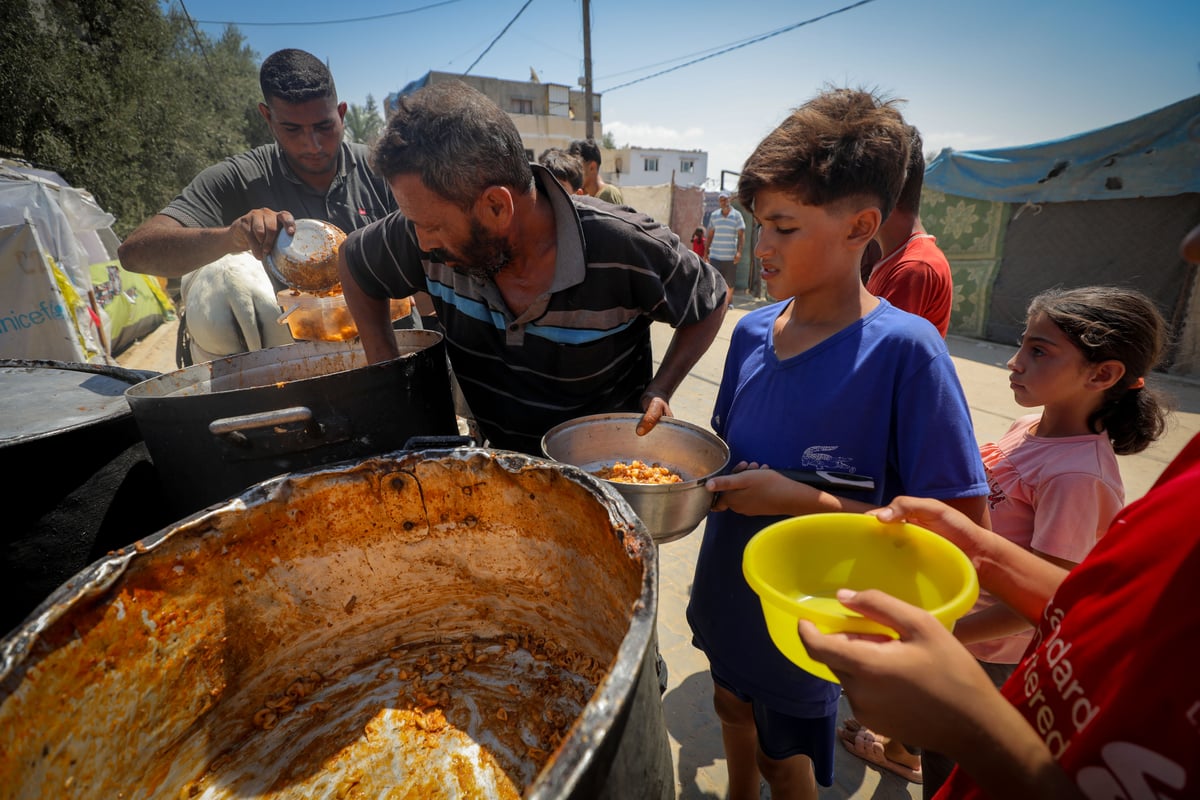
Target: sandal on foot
<point>861,742</point>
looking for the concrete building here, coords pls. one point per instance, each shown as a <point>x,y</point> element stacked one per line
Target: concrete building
<point>546,114</point>
<point>552,115</point>
<point>643,166</point>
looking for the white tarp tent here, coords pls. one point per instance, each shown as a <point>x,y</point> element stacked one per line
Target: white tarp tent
<point>65,296</point>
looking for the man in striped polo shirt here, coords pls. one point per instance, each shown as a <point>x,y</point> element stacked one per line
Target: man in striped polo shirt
<point>726,234</point>
<point>546,299</point>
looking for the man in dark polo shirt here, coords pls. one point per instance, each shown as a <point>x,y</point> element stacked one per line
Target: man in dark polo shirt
<point>546,299</point>
<point>242,203</point>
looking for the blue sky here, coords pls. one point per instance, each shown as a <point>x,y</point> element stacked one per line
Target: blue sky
<point>974,74</point>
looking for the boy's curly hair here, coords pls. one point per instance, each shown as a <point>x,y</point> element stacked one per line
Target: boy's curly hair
<point>842,144</point>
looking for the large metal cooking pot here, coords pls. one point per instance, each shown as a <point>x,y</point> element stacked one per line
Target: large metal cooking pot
<point>408,625</point>
<point>78,482</point>
<point>215,428</point>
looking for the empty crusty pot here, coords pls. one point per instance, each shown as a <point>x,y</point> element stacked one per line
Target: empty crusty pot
<point>465,622</point>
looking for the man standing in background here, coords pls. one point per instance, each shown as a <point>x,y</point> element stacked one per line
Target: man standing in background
<point>726,236</point>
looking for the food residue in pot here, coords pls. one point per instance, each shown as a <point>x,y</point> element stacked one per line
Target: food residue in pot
<point>481,716</point>
<point>638,472</point>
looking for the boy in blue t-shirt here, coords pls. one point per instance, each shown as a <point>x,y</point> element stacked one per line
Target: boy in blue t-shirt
<point>830,378</point>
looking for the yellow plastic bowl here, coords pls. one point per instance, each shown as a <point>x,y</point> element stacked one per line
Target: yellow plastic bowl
<point>797,565</point>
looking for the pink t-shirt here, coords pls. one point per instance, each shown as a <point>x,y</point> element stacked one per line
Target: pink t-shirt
<point>1056,496</point>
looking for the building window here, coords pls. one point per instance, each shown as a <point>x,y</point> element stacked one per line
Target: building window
<point>521,105</point>
<point>687,165</point>
<point>650,164</point>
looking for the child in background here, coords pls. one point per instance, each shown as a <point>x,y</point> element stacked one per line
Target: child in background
<point>914,273</point>
<point>1055,483</point>
<point>831,377</point>
<point>699,243</point>
<point>566,168</point>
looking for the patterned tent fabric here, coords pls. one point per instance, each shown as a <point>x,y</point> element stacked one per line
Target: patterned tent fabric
<point>971,234</point>
<point>1104,207</point>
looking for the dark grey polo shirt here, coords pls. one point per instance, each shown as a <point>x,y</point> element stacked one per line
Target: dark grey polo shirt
<point>261,178</point>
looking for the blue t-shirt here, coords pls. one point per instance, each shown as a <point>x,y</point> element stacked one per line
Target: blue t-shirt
<point>879,398</point>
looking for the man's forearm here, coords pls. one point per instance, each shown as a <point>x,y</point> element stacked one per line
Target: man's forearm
<point>371,317</point>
<point>161,246</point>
<point>688,344</point>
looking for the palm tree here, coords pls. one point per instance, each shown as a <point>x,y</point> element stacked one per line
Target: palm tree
<point>363,122</point>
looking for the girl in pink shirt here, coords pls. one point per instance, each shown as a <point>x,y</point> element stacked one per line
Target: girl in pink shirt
<point>1055,483</point>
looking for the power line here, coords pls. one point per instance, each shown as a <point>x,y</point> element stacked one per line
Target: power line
<point>199,41</point>
<point>674,59</point>
<point>740,45</point>
<point>498,35</point>
<point>278,23</point>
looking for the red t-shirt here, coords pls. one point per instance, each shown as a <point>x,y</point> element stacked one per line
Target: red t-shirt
<point>1110,681</point>
<point>916,277</point>
<point>698,246</point>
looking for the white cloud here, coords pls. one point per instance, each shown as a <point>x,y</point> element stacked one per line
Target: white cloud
<point>643,135</point>
<point>936,141</point>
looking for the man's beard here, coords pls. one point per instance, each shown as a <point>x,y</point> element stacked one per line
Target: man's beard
<point>481,257</point>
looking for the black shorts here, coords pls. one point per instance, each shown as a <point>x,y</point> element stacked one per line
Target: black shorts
<point>782,736</point>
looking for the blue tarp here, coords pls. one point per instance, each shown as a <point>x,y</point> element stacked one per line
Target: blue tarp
<point>1155,155</point>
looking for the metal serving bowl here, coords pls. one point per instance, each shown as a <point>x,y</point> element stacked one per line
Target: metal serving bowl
<point>307,260</point>
<point>669,511</point>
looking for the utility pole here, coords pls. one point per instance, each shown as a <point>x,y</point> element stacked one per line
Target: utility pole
<point>587,68</point>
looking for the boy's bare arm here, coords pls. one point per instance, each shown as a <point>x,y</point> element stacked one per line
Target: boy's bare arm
<point>1023,580</point>
<point>990,623</point>
<point>755,491</point>
<point>925,688</point>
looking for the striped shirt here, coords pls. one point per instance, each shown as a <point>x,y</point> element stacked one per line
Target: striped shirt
<point>582,348</point>
<point>725,229</point>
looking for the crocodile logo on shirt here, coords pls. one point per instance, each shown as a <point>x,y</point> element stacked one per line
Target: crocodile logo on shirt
<point>819,456</point>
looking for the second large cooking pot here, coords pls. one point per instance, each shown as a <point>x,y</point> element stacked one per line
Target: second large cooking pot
<point>215,428</point>
<point>465,623</point>
<point>79,481</point>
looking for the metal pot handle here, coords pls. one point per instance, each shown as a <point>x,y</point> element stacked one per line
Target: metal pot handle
<point>228,426</point>
<point>282,432</point>
<point>447,442</point>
